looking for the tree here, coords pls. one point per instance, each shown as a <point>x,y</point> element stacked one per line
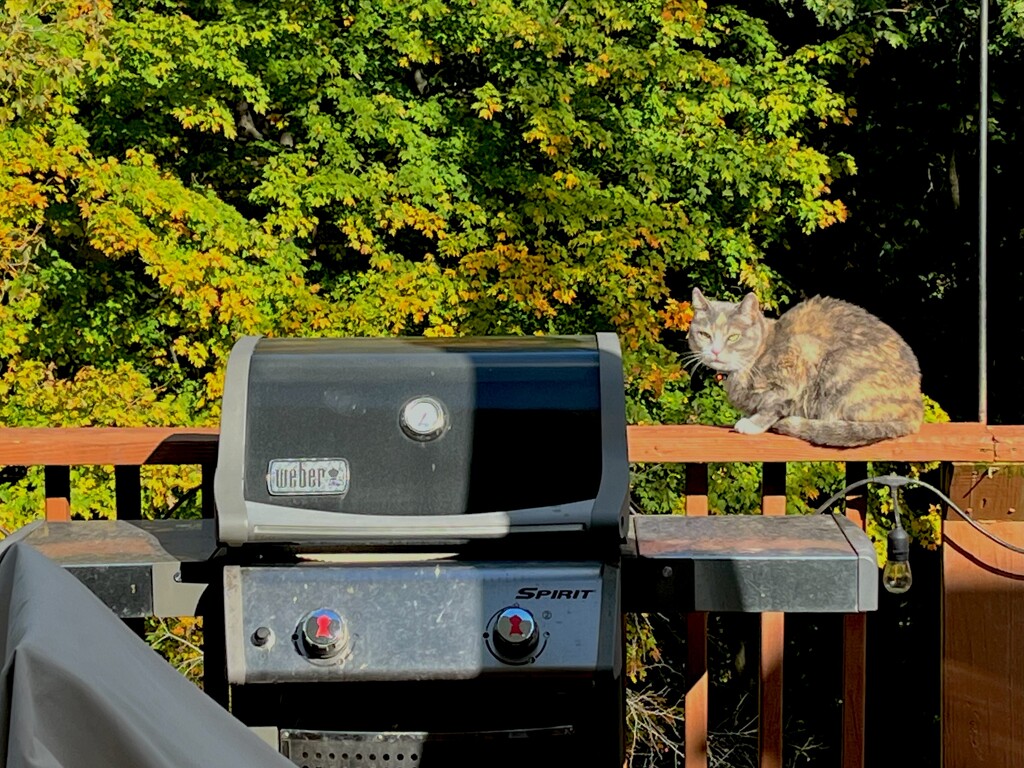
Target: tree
<point>910,251</point>
<point>176,174</point>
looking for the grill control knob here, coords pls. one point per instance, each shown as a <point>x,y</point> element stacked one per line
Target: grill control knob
<point>323,634</point>
<point>515,634</point>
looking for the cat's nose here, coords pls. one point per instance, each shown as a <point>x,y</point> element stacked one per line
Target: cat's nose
<point>715,351</point>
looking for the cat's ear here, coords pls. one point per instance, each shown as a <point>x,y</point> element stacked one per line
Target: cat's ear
<point>699,302</point>
<point>749,305</point>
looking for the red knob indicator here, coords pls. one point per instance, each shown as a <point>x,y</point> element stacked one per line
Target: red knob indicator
<point>323,633</point>
<point>514,634</point>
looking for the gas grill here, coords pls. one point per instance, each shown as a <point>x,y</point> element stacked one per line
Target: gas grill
<point>424,548</point>
<point>418,558</point>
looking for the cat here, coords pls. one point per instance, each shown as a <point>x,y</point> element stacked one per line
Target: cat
<point>826,371</point>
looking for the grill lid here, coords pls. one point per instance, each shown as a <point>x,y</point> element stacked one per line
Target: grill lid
<point>336,440</point>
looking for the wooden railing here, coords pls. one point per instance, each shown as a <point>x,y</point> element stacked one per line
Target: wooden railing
<point>694,446</point>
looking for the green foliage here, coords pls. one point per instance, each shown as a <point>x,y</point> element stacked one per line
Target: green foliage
<point>180,642</point>
<point>641,649</point>
<point>176,174</point>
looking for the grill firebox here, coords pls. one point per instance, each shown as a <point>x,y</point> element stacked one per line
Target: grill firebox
<point>423,548</point>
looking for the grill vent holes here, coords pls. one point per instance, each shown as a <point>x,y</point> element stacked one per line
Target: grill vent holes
<point>358,759</point>
<point>334,752</point>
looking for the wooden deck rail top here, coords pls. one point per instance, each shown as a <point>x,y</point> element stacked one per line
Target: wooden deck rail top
<point>685,443</point>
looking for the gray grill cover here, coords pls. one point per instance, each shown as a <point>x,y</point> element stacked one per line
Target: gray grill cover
<point>80,689</point>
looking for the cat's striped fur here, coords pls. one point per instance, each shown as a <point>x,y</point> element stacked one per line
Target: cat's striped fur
<point>826,371</point>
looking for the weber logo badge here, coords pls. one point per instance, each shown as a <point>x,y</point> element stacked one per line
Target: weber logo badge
<point>308,477</point>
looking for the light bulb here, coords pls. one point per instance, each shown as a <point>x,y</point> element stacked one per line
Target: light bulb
<point>896,577</point>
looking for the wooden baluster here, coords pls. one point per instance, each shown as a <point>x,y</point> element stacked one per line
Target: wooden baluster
<point>128,503</point>
<point>128,492</point>
<point>696,490</point>
<point>773,502</point>
<point>773,488</point>
<point>696,699</point>
<point>855,641</point>
<point>57,482</point>
<point>208,502</point>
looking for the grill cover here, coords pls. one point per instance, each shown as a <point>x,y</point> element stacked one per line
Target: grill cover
<point>81,690</point>
<point>339,440</point>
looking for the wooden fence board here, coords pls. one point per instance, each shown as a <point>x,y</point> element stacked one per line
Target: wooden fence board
<point>983,648</point>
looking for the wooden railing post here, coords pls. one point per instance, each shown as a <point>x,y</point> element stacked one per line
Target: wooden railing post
<point>57,482</point>
<point>773,637</point>
<point>696,698</point>
<point>855,642</point>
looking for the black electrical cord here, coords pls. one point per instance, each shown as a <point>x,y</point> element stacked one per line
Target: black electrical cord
<point>898,481</point>
<point>896,511</point>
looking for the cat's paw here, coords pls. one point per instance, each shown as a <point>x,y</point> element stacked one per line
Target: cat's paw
<point>747,426</point>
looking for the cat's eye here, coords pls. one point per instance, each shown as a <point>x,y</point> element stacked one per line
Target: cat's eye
<point>704,335</point>
<point>733,337</point>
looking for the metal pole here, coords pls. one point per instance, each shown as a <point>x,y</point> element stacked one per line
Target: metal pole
<point>983,222</point>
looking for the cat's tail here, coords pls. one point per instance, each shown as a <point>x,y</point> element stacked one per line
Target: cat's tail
<point>844,434</point>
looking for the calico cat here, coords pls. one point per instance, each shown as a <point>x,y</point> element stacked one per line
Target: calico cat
<point>826,371</point>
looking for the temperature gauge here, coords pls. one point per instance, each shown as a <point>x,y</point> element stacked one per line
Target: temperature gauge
<point>423,418</point>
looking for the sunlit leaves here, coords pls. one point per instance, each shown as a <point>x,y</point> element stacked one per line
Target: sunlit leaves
<point>175,175</point>
<point>45,46</point>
